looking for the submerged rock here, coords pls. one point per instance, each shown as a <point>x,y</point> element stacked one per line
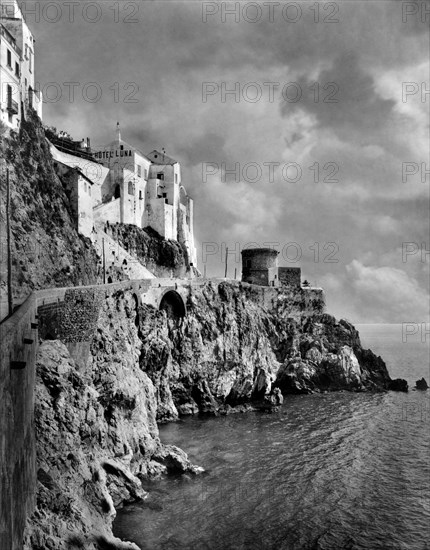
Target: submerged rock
<point>399,384</point>
<point>421,384</point>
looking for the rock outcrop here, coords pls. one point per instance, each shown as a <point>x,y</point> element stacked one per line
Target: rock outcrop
<point>228,351</point>
<point>164,258</point>
<point>421,384</point>
<point>399,384</point>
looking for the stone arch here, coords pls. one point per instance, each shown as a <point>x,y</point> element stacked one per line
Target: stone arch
<point>173,304</point>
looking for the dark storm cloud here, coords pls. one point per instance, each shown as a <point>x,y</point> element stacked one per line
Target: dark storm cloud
<point>171,52</point>
<point>346,101</point>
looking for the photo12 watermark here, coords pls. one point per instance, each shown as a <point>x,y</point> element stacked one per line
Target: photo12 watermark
<point>90,92</point>
<point>254,92</point>
<point>411,249</point>
<point>415,171</point>
<point>416,11</point>
<point>74,11</point>
<point>255,12</point>
<point>415,332</point>
<point>290,251</point>
<point>271,172</point>
<point>412,89</point>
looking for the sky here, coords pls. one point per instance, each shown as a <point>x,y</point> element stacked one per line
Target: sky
<point>319,149</point>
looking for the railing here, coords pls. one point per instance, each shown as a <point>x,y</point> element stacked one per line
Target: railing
<point>10,39</point>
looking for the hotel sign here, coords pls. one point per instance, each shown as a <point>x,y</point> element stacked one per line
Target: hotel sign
<point>113,154</point>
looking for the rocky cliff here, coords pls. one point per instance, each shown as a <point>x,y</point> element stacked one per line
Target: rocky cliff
<point>97,435</point>
<point>164,258</point>
<point>46,248</point>
<point>230,351</point>
<point>96,432</point>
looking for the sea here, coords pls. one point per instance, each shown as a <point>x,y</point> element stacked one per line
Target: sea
<point>328,471</point>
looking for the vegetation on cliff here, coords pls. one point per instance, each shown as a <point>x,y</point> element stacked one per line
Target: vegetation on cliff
<point>164,258</point>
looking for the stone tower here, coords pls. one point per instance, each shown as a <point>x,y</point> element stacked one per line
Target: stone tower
<point>257,263</point>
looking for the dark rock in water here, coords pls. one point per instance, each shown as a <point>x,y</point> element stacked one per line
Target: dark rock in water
<point>399,384</point>
<point>421,384</point>
<point>175,460</point>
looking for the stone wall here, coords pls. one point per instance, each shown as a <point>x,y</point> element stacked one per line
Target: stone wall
<point>108,212</point>
<point>290,276</point>
<point>17,441</point>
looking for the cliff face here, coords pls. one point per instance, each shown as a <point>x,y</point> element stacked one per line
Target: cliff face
<point>46,248</point>
<point>96,432</point>
<point>228,351</point>
<point>162,257</point>
<point>96,422</point>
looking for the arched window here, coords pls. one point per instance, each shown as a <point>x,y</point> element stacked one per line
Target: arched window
<point>130,188</point>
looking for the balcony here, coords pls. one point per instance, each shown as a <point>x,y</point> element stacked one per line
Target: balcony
<point>10,39</point>
<point>12,107</point>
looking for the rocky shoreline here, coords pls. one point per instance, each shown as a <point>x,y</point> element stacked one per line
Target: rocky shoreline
<point>96,423</point>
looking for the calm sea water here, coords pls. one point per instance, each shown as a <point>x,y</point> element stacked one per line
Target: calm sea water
<point>334,471</point>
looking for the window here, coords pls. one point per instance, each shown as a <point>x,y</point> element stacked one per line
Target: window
<point>9,59</point>
<point>176,178</point>
<point>17,69</point>
<point>146,174</point>
<point>89,190</point>
<point>140,195</point>
<point>26,51</point>
<point>139,170</point>
<point>122,147</point>
<point>130,188</point>
<point>30,62</point>
<point>160,176</point>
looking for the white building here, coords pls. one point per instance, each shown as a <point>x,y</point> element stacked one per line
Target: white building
<point>169,209</point>
<point>17,82</point>
<point>120,184</point>
<point>123,191</point>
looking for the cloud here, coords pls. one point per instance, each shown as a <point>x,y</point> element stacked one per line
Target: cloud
<point>368,133</point>
<point>379,294</point>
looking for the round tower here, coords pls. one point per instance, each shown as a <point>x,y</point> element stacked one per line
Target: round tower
<point>257,264</point>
